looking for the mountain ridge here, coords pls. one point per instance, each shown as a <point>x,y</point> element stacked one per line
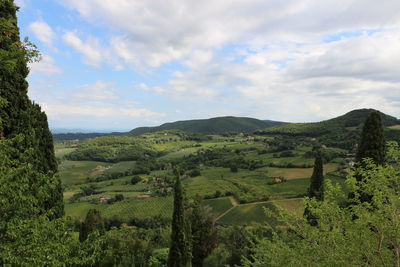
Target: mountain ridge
<point>218,125</point>
<point>215,125</point>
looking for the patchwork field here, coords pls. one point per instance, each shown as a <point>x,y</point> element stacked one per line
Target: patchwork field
<point>235,196</point>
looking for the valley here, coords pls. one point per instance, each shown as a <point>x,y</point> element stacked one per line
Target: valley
<point>130,178</point>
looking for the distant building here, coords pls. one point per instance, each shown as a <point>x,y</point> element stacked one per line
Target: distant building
<point>104,200</point>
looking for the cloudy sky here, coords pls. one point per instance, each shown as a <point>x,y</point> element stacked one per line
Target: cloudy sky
<point>119,64</point>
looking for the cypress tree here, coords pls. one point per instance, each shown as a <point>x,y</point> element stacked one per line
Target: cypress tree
<point>18,115</point>
<point>316,188</point>
<point>372,143</point>
<point>13,71</point>
<point>204,232</point>
<point>180,248</point>
<point>93,222</point>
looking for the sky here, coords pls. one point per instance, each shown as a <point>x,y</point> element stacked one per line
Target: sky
<point>121,64</point>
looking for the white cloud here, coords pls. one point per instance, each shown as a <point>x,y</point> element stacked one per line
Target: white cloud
<point>101,90</point>
<point>45,66</point>
<point>91,49</point>
<point>155,89</point>
<point>372,57</point>
<point>20,3</point>
<point>97,104</point>
<point>43,32</point>
<point>156,32</point>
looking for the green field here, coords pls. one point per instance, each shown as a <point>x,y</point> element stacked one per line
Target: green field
<point>249,214</point>
<point>218,205</point>
<point>140,208</point>
<point>76,172</point>
<point>234,197</point>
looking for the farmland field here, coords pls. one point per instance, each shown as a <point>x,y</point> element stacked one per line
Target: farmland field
<point>218,205</point>
<point>249,214</point>
<point>235,196</point>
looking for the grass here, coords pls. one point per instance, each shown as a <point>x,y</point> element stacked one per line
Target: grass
<point>218,205</point>
<point>140,208</point>
<point>294,206</point>
<point>79,210</point>
<point>297,173</point>
<point>290,188</point>
<point>249,214</point>
<point>76,172</point>
<point>61,152</point>
<point>126,210</point>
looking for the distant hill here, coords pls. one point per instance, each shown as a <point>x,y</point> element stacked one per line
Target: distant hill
<point>336,131</point>
<point>210,126</point>
<point>350,121</point>
<point>206,126</point>
<point>340,131</point>
<point>81,136</point>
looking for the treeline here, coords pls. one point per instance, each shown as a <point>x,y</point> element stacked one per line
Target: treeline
<point>112,149</point>
<point>139,167</point>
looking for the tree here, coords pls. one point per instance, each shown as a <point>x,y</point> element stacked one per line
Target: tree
<point>204,232</point>
<point>316,188</point>
<point>18,115</point>
<point>93,223</point>
<point>180,248</point>
<point>372,146</point>
<point>372,143</point>
<point>32,232</point>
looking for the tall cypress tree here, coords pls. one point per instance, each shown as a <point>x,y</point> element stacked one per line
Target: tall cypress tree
<point>180,249</point>
<point>14,70</point>
<point>372,143</point>
<point>18,115</point>
<point>93,222</point>
<point>316,188</point>
<point>204,232</point>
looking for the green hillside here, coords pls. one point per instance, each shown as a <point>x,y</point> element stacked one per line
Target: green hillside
<point>351,120</point>
<point>210,126</point>
<point>342,131</point>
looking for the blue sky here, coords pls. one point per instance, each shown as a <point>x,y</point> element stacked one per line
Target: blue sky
<point>120,64</point>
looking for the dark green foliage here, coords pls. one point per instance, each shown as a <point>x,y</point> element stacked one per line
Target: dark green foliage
<point>136,179</point>
<point>18,115</point>
<point>126,247</point>
<point>93,223</point>
<point>316,188</point>
<point>372,143</point>
<point>210,126</point>
<point>112,149</point>
<point>180,249</point>
<point>234,168</point>
<point>204,233</point>
<point>195,172</point>
<point>27,235</point>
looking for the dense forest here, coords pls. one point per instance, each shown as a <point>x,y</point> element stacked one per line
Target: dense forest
<point>323,194</point>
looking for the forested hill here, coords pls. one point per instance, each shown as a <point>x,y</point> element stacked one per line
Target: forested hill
<point>210,126</point>
<point>350,121</point>
<point>205,126</point>
<point>342,131</point>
